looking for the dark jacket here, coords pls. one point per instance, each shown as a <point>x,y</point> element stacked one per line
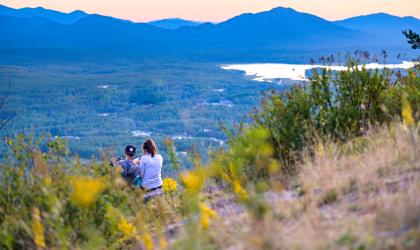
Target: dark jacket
<point>129,170</point>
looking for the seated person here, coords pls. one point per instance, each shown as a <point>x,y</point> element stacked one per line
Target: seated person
<point>150,166</point>
<point>130,171</point>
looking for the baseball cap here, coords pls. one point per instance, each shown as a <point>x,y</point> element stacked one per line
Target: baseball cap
<point>130,150</point>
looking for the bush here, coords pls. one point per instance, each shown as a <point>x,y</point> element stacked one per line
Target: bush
<point>334,106</point>
<point>49,199</point>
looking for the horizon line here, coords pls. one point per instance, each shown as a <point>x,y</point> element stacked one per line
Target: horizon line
<point>206,21</point>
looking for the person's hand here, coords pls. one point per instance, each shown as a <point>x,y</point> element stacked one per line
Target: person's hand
<point>136,161</point>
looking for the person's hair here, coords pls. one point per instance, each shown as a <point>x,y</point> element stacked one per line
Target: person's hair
<point>150,147</point>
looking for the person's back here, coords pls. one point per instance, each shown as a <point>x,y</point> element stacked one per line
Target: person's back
<point>150,169</point>
<point>130,171</point>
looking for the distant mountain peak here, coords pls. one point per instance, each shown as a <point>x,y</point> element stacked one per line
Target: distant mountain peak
<point>55,16</point>
<point>77,12</point>
<point>383,25</point>
<point>174,23</point>
<point>277,28</point>
<point>280,8</point>
<point>378,16</point>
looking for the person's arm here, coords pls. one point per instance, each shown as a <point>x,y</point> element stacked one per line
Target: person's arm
<point>137,161</point>
<point>142,166</point>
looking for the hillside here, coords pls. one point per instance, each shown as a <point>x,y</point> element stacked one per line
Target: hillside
<point>363,194</point>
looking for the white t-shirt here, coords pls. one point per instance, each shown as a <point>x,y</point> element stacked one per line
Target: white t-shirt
<point>150,171</point>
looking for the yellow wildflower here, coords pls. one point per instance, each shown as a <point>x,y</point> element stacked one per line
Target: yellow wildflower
<point>239,190</point>
<point>38,229</point>
<point>163,244</point>
<point>126,228</point>
<point>206,214</point>
<point>148,242</point>
<point>407,112</point>
<point>192,181</point>
<point>47,181</point>
<point>274,167</point>
<point>169,185</point>
<point>86,190</point>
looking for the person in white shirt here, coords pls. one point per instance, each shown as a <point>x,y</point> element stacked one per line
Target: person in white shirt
<point>150,170</point>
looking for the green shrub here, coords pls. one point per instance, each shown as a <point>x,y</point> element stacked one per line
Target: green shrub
<point>51,200</point>
<point>334,106</point>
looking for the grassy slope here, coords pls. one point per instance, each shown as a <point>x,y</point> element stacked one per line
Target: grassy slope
<point>364,195</point>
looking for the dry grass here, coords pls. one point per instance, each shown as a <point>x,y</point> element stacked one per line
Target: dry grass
<point>362,195</point>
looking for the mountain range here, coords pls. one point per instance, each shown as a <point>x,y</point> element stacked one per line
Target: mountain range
<point>56,16</point>
<point>278,28</point>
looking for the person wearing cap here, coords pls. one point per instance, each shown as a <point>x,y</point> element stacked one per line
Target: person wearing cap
<point>130,171</point>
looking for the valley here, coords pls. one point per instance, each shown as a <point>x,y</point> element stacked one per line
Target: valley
<point>105,106</point>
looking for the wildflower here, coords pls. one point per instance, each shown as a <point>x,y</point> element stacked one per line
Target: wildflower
<point>192,181</point>
<point>169,185</point>
<point>47,181</point>
<point>148,242</point>
<point>38,229</point>
<point>163,244</point>
<point>126,228</point>
<point>86,190</point>
<point>206,214</point>
<point>273,167</point>
<point>240,191</point>
<point>407,112</point>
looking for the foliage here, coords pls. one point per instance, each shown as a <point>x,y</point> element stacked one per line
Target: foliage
<point>412,38</point>
<point>50,201</point>
<point>334,106</point>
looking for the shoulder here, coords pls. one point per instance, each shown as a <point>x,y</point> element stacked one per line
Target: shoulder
<point>158,159</point>
<point>145,157</point>
<point>125,163</point>
<point>120,162</point>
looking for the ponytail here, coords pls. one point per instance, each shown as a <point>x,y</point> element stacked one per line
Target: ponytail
<point>150,147</point>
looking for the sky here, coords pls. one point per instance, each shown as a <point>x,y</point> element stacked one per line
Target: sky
<point>220,10</point>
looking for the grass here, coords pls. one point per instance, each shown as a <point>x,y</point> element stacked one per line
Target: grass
<point>360,199</point>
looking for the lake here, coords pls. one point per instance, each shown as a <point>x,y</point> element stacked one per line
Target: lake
<point>267,72</point>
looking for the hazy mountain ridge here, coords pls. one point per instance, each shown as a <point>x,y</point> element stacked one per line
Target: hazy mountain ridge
<point>382,25</point>
<point>279,28</point>
<point>56,16</point>
<point>174,23</point>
